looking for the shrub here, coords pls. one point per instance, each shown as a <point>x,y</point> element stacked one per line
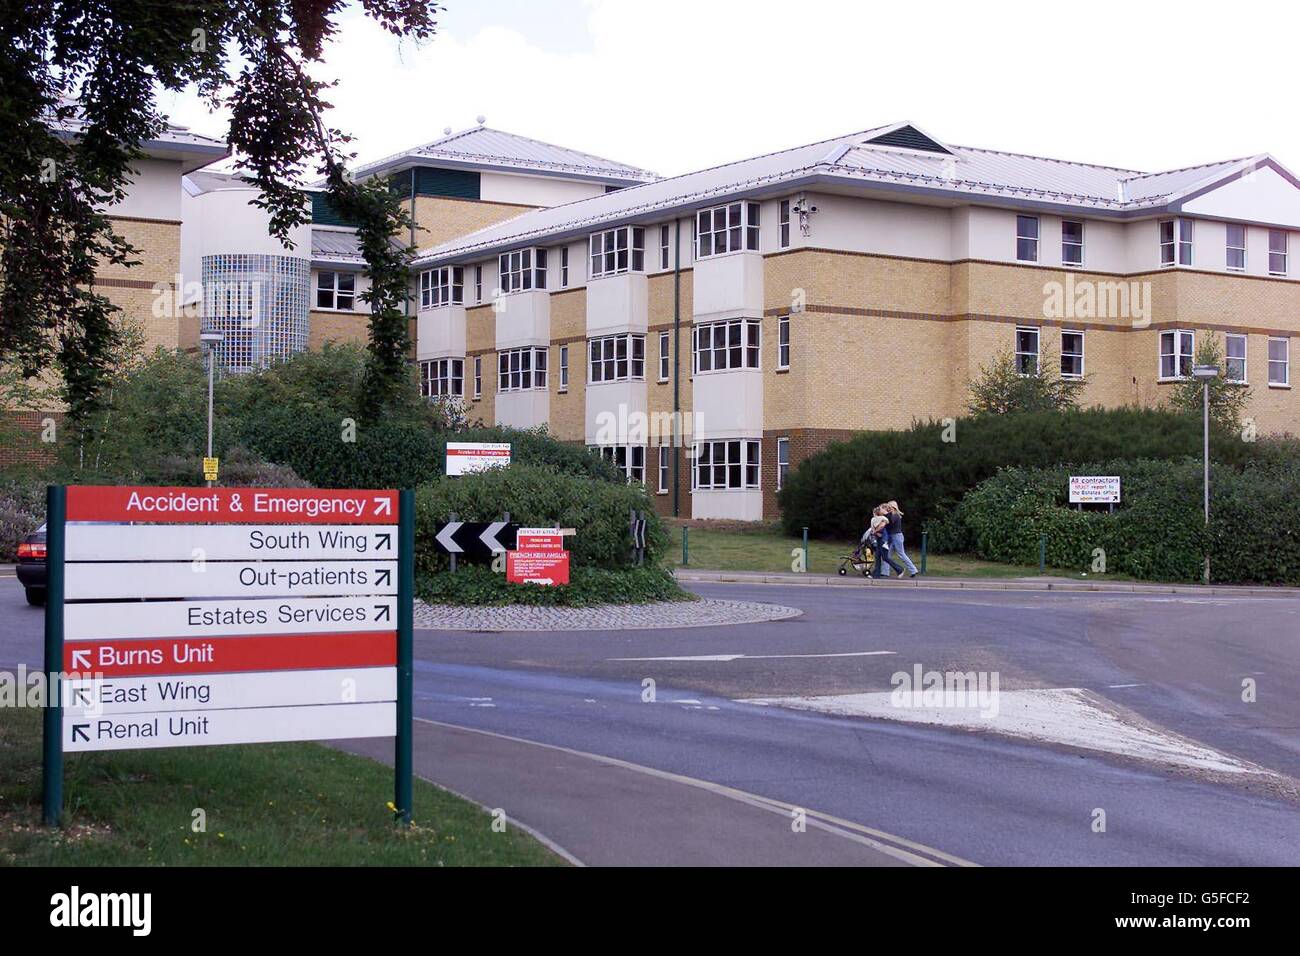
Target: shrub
<point>832,492</point>
<point>22,509</point>
<point>479,585</point>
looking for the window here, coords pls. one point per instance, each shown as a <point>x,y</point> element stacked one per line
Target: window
<point>519,370</point>
<point>478,284</point>
<point>617,358</point>
<point>442,377</point>
<point>478,376</point>
<point>1026,351</point>
<point>564,267</point>
<point>1235,349</point>
<point>783,341</point>
<point>336,290</point>
<point>664,454</point>
<point>727,464</point>
<point>1236,247</point>
<point>663,247</point>
<point>1277,248</point>
<point>1027,238</point>
<point>1176,238</point>
<point>522,270</point>
<point>443,286</point>
<point>1071,354</point>
<point>630,459</point>
<point>1176,350</point>
<point>664,352</point>
<point>727,228</point>
<point>1279,365</point>
<point>1071,242</point>
<point>564,368</point>
<point>783,225</point>
<point>782,461</point>
<point>617,250</point>
<point>732,344</point>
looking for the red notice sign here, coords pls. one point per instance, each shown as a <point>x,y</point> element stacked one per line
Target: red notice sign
<point>539,539</point>
<point>218,655</point>
<point>230,505</point>
<point>537,567</point>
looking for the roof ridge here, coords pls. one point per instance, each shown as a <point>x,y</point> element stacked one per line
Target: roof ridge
<point>1052,159</point>
<point>567,149</point>
<point>1184,169</point>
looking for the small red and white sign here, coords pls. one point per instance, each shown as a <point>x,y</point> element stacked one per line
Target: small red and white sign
<point>131,658</point>
<point>230,505</point>
<point>1094,489</point>
<point>464,458</point>
<point>537,567</point>
<point>539,539</point>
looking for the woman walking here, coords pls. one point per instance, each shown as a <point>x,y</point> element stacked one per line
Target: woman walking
<point>878,538</point>
<point>895,531</point>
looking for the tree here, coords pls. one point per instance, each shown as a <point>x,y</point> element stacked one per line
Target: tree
<point>1227,399</point>
<point>1002,388</point>
<point>79,82</point>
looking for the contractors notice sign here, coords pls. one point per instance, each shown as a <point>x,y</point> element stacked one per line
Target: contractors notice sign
<point>539,558</point>
<point>464,458</point>
<point>1094,489</point>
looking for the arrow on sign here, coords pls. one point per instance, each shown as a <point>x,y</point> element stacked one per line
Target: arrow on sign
<point>81,695</point>
<point>80,658</point>
<point>80,729</point>
<point>386,574</point>
<point>539,580</point>
<point>383,506</point>
<point>447,537</point>
<point>387,537</point>
<point>385,611</point>
<point>489,536</point>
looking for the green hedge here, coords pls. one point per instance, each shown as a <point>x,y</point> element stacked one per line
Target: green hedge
<point>832,493</point>
<point>1158,532</point>
<point>479,585</point>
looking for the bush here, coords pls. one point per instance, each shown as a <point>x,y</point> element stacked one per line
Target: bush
<point>479,585</point>
<point>832,492</point>
<point>540,497</point>
<point>22,509</point>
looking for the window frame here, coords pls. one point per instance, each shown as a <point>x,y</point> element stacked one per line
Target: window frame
<point>664,470</point>
<point>665,355</point>
<point>783,224</point>
<point>604,354</point>
<point>664,258</point>
<point>1228,358</point>
<point>478,377</point>
<point>782,466</point>
<point>624,457</point>
<point>783,342</point>
<point>335,292</point>
<point>748,339</point>
<point>1285,361</point>
<point>742,235</point>
<point>1066,244</point>
<point>442,286</point>
<point>744,464</point>
<point>612,259</point>
<point>447,379</point>
<point>1022,237</point>
<point>522,270</point>
<point>1037,353</point>
<point>1081,354</point>
<point>524,364</point>
<point>564,267</point>
<point>1180,356</point>
<point>1285,252</point>
<point>1178,239</point>
<point>1229,248</point>
<point>564,368</point>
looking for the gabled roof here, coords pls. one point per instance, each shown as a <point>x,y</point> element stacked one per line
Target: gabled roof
<point>193,150</point>
<point>898,158</point>
<point>485,148</point>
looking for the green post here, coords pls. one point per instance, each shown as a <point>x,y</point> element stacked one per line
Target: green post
<point>805,551</point>
<point>925,537</point>
<point>402,759</point>
<point>1042,554</point>
<point>686,547</point>
<point>56,510</point>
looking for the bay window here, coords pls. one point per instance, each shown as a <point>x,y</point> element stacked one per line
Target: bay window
<point>519,370</point>
<point>444,286</point>
<point>729,464</point>
<point>615,251</point>
<point>441,378</point>
<point>617,358</point>
<point>522,270</point>
<point>726,345</point>
<point>728,228</point>
<point>629,459</point>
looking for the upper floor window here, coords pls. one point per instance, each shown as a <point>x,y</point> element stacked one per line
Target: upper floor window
<point>1071,242</point>
<point>730,344</point>
<point>523,270</point>
<point>442,377</point>
<point>1027,238</point>
<point>336,290</point>
<point>617,358</point>
<point>1026,350</point>
<point>1279,361</point>
<point>1236,247</point>
<point>444,286</point>
<point>664,355</point>
<point>728,228</point>
<point>1071,354</point>
<point>783,341</point>
<point>663,247</point>
<point>521,369</point>
<point>564,368</point>
<point>478,284</point>
<point>727,464</point>
<point>1277,249</point>
<point>1235,351</point>
<point>617,250</point>
<point>1176,350</point>
<point>478,376</point>
<point>783,225</point>
<point>564,267</point>
<point>1176,242</point>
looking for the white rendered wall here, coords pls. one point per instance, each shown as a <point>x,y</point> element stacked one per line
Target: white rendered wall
<point>534,190</point>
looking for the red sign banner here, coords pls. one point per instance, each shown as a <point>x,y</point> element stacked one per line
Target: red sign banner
<point>537,567</point>
<point>216,655</point>
<point>231,505</point>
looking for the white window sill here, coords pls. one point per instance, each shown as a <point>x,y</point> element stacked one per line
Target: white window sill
<point>1278,385</point>
<point>733,252</point>
<point>321,308</point>
<point>614,381</point>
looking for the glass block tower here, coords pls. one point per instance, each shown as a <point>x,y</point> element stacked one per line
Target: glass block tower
<point>259,303</point>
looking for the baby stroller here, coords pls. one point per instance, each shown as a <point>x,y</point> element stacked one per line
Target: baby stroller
<point>860,560</point>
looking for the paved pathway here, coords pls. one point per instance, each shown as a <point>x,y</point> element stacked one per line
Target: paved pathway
<point>702,613</point>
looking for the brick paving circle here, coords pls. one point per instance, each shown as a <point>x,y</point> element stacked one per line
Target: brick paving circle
<point>703,613</point>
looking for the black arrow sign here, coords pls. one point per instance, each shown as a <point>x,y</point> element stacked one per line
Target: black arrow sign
<point>81,695</point>
<point>80,729</point>
<point>468,538</point>
<point>387,538</point>
<point>386,576</point>
<point>383,612</point>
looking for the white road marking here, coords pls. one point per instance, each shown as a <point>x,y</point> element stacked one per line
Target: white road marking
<point>1118,686</point>
<point>1068,715</point>
<point>726,658</point>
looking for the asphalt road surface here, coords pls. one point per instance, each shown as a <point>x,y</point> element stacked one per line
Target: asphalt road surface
<point>557,730</point>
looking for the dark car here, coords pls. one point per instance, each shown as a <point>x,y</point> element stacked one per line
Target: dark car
<point>31,566</point>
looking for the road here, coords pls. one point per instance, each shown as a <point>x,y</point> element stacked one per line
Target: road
<point>556,729</point>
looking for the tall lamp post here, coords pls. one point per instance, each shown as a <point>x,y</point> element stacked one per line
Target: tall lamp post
<point>1205,374</point>
<point>211,340</point>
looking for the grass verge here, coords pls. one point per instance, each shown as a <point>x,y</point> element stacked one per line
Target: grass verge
<point>266,805</point>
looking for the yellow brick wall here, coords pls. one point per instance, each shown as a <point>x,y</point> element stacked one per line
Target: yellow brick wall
<point>439,218</point>
<point>568,328</point>
<point>132,289</point>
<point>480,340</point>
<point>338,328</point>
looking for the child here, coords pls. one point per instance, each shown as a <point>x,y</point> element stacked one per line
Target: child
<point>877,538</point>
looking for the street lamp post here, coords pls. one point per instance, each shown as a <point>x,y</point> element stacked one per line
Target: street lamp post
<point>211,340</point>
<point>1206,374</point>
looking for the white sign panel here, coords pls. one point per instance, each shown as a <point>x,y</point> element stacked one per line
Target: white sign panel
<point>1094,489</point>
<point>235,542</point>
<point>210,579</point>
<point>251,725</point>
<point>84,622</point>
<point>464,458</point>
<point>128,695</point>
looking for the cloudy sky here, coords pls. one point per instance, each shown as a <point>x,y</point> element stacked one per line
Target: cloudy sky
<point>675,85</point>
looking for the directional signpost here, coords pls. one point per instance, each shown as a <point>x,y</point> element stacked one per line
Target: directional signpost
<point>184,617</point>
<point>539,558</point>
<point>476,539</point>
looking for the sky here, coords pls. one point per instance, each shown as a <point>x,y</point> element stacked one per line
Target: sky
<point>677,85</point>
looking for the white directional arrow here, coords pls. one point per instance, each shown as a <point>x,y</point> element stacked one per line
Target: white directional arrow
<point>539,580</point>
<point>727,658</point>
<point>489,536</point>
<point>447,537</point>
<point>383,506</point>
<point>80,658</point>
